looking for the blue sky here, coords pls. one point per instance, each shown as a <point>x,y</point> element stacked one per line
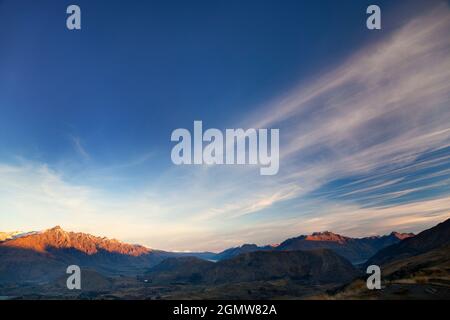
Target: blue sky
<point>86,118</point>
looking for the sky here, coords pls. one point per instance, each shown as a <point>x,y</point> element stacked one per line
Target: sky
<point>86,118</point>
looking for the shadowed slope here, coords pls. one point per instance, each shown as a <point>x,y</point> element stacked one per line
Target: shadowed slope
<point>430,239</point>
<point>317,266</point>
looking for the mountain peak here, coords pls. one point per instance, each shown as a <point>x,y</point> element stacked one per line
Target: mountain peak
<point>248,246</point>
<point>326,236</point>
<point>402,236</point>
<point>5,236</point>
<point>57,238</point>
<point>56,229</point>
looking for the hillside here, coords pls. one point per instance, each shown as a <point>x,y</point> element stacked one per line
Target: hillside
<point>317,266</point>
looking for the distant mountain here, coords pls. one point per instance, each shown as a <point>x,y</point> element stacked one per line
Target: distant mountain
<point>34,265</point>
<point>205,255</point>
<point>246,248</point>
<point>7,235</point>
<point>310,267</point>
<point>430,239</point>
<point>43,256</point>
<point>14,235</point>
<point>57,238</point>
<point>356,250</point>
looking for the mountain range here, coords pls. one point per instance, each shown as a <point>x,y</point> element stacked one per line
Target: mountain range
<point>13,235</point>
<point>36,262</point>
<point>43,256</point>
<point>356,250</point>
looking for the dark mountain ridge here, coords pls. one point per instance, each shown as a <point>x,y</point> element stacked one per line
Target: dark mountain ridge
<point>356,250</point>
<point>430,239</point>
<point>415,268</point>
<point>311,267</point>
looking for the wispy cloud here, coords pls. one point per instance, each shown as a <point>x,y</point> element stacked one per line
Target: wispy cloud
<point>385,106</point>
<point>365,149</point>
<point>378,113</point>
<point>79,148</point>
